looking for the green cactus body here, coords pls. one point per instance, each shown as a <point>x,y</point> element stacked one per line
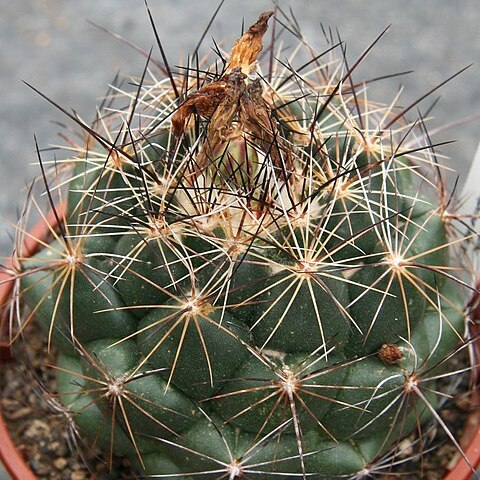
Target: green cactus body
<point>255,303</point>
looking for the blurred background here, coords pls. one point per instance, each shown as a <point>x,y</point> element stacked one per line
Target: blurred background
<point>51,45</point>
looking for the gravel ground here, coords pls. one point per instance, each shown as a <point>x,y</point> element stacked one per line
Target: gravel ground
<point>37,422</point>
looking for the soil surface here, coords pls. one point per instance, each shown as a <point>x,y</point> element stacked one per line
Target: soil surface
<point>39,425</point>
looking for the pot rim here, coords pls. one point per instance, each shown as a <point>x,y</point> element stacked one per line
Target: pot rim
<point>18,468</point>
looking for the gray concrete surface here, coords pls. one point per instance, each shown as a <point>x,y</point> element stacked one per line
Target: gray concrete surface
<point>49,44</point>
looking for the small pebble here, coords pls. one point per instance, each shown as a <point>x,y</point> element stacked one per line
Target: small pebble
<point>405,448</point>
<point>78,475</point>
<point>60,463</point>
<point>19,413</point>
<point>37,430</point>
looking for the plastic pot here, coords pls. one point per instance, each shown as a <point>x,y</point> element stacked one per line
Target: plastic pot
<point>17,467</point>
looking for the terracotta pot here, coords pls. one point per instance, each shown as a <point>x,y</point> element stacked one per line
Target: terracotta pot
<point>470,441</point>
<point>9,455</point>
<point>19,470</point>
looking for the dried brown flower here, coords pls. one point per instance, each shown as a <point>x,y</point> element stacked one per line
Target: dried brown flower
<point>246,49</point>
<point>204,102</point>
<point>244,54</point>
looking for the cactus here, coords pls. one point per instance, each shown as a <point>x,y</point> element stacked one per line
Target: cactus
<point>253,274</point>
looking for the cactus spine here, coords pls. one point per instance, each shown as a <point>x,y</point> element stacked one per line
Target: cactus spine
<point>255,275</point>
